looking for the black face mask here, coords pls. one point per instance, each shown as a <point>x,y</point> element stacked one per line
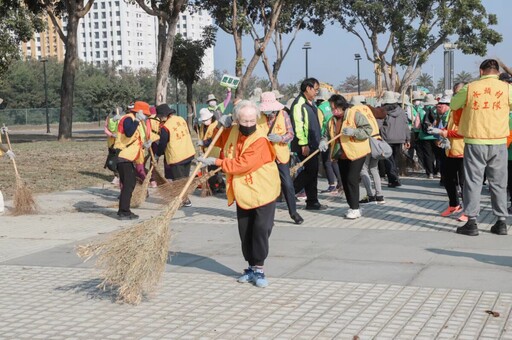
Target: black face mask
<point>247,130</point>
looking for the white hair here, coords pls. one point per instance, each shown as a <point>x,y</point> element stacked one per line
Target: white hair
<point>243,105</point>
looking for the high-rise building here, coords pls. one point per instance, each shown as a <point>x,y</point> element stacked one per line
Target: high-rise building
<point>120,34</point>
<point>45,45</point>
<point>191,26</point>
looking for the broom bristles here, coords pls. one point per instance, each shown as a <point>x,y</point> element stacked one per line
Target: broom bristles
<point>24,202</point>
<point>140,193</point>
<point>133,260</point>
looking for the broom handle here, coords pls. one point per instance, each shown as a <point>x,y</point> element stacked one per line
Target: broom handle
<point>10,148</point>
<point>316,151</point>
<point>199,165</point>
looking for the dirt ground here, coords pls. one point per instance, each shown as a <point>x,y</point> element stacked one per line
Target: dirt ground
<point>46,165</point>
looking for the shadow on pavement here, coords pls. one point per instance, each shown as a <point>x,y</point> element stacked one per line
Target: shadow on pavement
<point>91,289</point>
<point>484,258</point>
<point>92,207</point>
<point>98,175</point>
<point>198,261</point>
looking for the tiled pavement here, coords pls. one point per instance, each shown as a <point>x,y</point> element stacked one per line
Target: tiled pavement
<point>398,273</point>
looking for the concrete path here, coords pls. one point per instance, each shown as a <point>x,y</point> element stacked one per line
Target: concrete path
<point>400,272</point>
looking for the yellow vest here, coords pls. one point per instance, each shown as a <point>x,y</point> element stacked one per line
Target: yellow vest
<point>154,134</point>
<point>354,148</point>
<point>180,144</point>
<point>485,115</point>
<point>131,147</point>
<point>209,134</point>
<point>255,189</point>
<point>282,149</point>
<point>456,149</point>
<point>112,127</point>
<point>145,131</point>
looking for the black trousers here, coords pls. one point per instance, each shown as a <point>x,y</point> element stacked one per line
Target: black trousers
<point>350,173</point>
<point>509,182</point>
<point>287,187</point>
<point>254,227</point>
<point>307,179</point>
<point>453,176</point>
<point>392,163</point>
<point>428,156</point>
<point>128,180</point>
<point>177,171</point>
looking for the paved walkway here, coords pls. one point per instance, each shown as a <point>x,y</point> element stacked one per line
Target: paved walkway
<point>400,272</point>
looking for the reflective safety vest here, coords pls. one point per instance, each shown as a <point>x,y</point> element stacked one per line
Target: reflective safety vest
<point>279,128</point>
<point>257,188</point>
<point>131,147</point>
<point>154,129</point>
<point>180,146</point>
<point>485,115</point>
<point>112,127</point>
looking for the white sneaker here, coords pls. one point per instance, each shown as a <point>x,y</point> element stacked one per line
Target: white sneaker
<point>115,181</point>
<point>352,214</point>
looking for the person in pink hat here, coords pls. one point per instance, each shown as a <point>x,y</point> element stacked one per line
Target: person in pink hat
<point>276,123</point>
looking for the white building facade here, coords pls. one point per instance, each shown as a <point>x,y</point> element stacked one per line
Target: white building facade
<point>124,35</point>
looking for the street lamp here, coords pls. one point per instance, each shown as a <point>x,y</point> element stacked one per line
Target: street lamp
<point>306,47</point>
<point>46,96</point>
<point>357,58</point>
<point>448,65</point>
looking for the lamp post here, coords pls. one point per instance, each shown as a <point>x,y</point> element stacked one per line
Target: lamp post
<point>306,47</point>
<point>448,65</point>
<point>357,58</point>
<point>46,95</point>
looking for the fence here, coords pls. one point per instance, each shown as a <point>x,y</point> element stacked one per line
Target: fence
<point>37,116</point>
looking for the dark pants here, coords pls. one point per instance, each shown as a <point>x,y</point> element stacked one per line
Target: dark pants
<point>128,179</point>
<point>392,163</point>
<point>287,187</point>
<point>254,227</point>
<point>428,157</point>
<point>350,173</point>
<point>177,171</point>
<point>332,171</point>
<point>509,182</point>
<point>308,179</point>
<point>453,176</point>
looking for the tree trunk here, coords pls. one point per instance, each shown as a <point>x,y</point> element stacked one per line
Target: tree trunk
<point>190,105</point>
<point>239,61</point>
<point>68,80</point>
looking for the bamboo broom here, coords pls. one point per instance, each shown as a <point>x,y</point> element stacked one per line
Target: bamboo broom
<point>297,166</point>
<point>24,202</point>
<point>141,191</point>
<point>133,260</point>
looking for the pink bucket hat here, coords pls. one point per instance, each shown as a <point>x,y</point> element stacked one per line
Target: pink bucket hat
<point>269,102</point>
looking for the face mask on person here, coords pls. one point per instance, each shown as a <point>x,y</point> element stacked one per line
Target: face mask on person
<point>247,130</point>
<point>416,102</point>
<point>213,103</point>
<point>207,122</point>
<point>337,113</point>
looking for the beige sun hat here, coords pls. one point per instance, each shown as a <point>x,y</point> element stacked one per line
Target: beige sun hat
<point>430,100</point>
<point>205,114</point>
<point>268,102</point>
<point>211,96</point>
<point>278,94</point>
<point>357,100</point>
<point>323,94</point>
<point>389,97</point>
<point>417,95</point>
<point>445,100</point>
<point>404,99</point>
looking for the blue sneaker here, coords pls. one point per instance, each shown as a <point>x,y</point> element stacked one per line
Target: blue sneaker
<point>248,276</point>
<point>260,280</point>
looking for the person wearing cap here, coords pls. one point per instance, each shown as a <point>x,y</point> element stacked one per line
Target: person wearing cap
<point>485,104</point>
<point>207,128</point>
<point>216,108</point>
<point>395,132</point>
<point>351,148</point>
<point>252,182</point>
<point>275,123</point>
<point>307,130</point>
<point>427,142</point>
<point>453,164</point>
<point>132,143</point>
<point>332,170</point>
<point>415,124</point>
<point>110,129</point>
<point>175,145</point>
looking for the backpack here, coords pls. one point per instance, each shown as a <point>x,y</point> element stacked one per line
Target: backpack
<point>380,149</point>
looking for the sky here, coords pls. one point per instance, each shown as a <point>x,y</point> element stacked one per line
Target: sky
<point>331,58</point>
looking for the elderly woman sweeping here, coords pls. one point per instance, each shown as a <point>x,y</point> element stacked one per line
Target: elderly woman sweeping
<point>252,181</point>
